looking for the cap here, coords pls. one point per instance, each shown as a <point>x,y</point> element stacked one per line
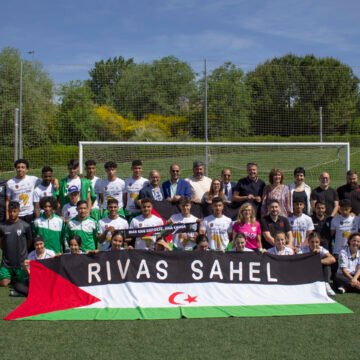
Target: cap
<point>73,189</point>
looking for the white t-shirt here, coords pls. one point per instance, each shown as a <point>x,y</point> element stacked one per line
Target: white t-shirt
<point>112,189</point>
<point>217,231</point>
<point>145,242</point>
<point>300,225</point>
<point>323,252</point>
<point>345,261</point>
<point>184,241</point>
<point>199,187</point>
<point>343,227</point>
<point>46,255</point>
<point>69,211</point>
<point>286,251</point>
<point>96,185</point>
<point>118,224</point>
<point>132,189</point>
<point>73,182</point>
<point>22,190</point>
<point>43,191</point>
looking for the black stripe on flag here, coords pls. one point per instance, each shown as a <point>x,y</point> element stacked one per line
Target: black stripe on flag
<point>186,267</point>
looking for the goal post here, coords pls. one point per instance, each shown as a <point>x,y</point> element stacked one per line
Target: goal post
<point>315,157</point>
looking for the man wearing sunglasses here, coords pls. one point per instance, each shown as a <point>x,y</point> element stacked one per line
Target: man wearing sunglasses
<point>175,187</point>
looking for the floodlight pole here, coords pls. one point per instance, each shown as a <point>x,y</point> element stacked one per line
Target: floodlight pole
<point>206,119</point>
<point>16,140</point>
<point>321,123</point>
<point>20,111</point>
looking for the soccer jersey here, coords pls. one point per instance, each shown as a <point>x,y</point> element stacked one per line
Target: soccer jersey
<point>112,189</point>
<point>87,229</point>
<point>145,242</point>
<point>118,224</point>
<point>251,232</point>
<point>46,255</point>
<point>16,237</point>
<point>52,230</point>
<point>217,231</point>
<point>343,227</point>
<point>300,225</point>
<point>184,241</point>
<point>69,211</point>
<point>22,190</point>
<point>132,189</point>
<point>285,251</point>
<point>42,191</point>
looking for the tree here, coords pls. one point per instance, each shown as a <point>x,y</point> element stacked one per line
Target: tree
<point>228,104</point>
<point>288,92</point>
<point>156,88</point>
<point>38,106</point>
<point>104,78</point>
<point>76,118</point>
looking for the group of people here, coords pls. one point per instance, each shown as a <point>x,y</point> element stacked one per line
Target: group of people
<point>46,217</point>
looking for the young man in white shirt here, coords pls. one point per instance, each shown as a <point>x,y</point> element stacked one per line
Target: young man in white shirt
<point>109,224</point>
<point>21,189</point>
<point>146,219</point>
<point>217,227</point>
<point>184,241</point>
<point>301,224</point>
<point>44,189</point>
<point>112,187</point>
<point>133,185</point>
<point>343,225</point>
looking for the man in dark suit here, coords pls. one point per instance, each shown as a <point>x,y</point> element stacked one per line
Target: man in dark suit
<point>175,188</point>
<point>227,186</point>
<point>153,190</point>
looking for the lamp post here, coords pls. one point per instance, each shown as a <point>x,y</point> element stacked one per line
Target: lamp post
<point>20,117</point>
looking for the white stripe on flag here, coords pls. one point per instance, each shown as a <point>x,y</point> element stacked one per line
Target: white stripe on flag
<point>131,294</point>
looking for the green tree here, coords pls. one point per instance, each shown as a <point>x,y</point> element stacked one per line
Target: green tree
<point>228,104</point>
<point>76,118</point>
<point>161,87</point>
<point>288,92</point>
<point>38,92</point>
<point>104,78</point>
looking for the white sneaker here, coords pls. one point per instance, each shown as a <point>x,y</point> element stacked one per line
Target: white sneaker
<point>14,293</point>
<point>329,290</point>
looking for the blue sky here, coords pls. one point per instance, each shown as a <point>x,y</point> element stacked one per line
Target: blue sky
<point>69,36</point>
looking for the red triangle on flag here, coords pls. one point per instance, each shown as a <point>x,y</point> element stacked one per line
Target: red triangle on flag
<point>50,292</point>
<point>154,212</point>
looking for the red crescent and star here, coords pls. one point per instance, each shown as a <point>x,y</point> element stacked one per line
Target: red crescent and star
<point>190,299</point>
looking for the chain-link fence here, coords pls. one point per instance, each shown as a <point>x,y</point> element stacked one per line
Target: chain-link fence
<point>285,99</point>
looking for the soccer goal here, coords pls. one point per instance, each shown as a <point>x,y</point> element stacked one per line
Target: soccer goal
<point>314,157</point>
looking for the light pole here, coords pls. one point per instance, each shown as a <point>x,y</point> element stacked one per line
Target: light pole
<point>20,117</point>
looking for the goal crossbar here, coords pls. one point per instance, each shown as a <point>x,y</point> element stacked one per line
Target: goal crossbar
<point>205,145</point>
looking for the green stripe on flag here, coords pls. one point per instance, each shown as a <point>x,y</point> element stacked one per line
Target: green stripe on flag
<point>193,312</point>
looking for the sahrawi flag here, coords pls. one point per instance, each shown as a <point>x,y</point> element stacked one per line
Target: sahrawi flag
<point>131,285</point>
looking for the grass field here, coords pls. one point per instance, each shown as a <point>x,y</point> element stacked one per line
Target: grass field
<point>297,337</point>
<point>314,161</point>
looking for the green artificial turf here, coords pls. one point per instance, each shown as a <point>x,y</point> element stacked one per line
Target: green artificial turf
<point>290,337</point>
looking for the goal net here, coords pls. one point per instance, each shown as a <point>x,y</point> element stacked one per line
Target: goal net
<point>314,157</point>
